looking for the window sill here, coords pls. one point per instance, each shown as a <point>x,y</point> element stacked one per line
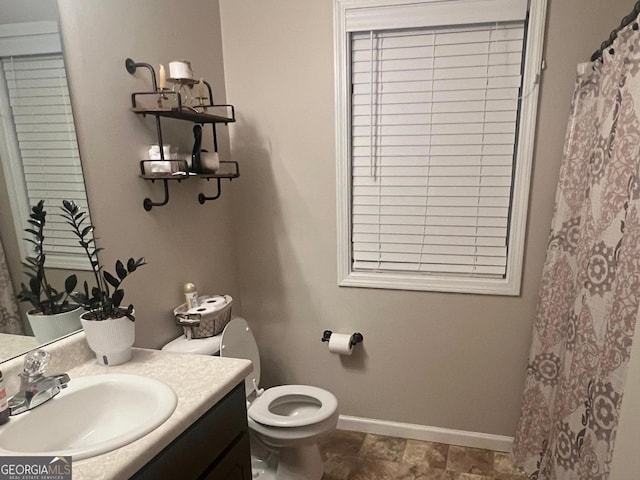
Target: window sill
<point>432,283</point>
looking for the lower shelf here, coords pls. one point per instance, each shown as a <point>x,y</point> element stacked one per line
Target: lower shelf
<point>228,170</point>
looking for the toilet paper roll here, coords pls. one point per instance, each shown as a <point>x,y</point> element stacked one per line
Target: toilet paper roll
<point>340,343</point>
<point>208,305</point>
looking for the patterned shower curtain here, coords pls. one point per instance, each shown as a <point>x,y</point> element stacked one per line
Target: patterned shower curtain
<point>9,316</point>
<point>590,288</point>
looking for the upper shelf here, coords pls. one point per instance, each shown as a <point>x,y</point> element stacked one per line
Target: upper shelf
<point>170,104</point>
<point>182,102</point>
<point>187,113</point>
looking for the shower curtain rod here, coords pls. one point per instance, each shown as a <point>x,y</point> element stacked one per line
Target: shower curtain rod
<point>614,33</point>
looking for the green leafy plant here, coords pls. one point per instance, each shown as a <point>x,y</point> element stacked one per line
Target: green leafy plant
<point>104,299</point>
<point>45,299</point>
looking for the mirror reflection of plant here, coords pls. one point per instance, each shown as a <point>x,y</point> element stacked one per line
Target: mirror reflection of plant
<point>99,300</point>
<point>39,292</point>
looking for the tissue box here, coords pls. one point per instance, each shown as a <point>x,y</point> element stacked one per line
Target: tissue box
<point>207,319</point>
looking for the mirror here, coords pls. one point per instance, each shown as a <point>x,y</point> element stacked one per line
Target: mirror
<point>39,159</point>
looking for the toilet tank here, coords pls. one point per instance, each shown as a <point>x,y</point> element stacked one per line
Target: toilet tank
<point>200,346</point>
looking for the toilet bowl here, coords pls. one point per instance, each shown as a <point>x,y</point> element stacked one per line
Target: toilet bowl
<point>286,421</point>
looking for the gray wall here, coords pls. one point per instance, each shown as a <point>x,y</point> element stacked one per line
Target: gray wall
<point>16,11</point>
<point>183,241</point>
<point>446,360</point>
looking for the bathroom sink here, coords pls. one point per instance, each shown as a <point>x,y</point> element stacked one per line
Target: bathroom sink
<point>93,415</point>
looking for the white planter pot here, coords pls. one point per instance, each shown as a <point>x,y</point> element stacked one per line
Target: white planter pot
<point>49,327</point>
<point>111,340</point>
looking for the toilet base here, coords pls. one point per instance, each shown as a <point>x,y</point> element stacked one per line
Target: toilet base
<point>301,463</point>
<point>298,463</point>
<point>261,469</point>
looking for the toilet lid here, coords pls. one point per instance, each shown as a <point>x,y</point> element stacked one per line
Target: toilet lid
<point>293,406</point>
<point>238,342</point>
<point>201,346</point>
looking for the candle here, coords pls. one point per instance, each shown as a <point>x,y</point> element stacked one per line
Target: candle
<point>162,83</point>
<point>201,90</point>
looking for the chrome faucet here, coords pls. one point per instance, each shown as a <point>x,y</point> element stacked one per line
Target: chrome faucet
<point>35,388</point>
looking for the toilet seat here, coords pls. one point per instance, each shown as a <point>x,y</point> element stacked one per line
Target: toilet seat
<point>293,406</point>
<point>284,406</point>
<point>237,341</point>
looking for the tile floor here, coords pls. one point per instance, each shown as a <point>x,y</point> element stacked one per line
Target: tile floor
<point>357,456</point>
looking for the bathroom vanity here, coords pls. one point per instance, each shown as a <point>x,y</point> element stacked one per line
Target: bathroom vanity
<point>216,446</point>
<point>206,436</point>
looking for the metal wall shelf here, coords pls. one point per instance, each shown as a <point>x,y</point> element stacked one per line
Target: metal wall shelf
<point>228,170</point>
<point>180,177</point>
<point>186,113</point>
<point>164,103</point>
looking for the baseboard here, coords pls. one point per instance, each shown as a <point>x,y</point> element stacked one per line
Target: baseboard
<point>463,438</point>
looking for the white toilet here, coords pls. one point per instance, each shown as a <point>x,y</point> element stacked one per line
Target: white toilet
<point>286,421</point>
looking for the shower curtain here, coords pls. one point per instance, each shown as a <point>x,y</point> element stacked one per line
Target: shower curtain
<point>9,316</point>
<point>590,288</point>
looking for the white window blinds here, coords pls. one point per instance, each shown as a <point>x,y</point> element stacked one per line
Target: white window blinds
<point>434,115</point>
<point>45,133</point>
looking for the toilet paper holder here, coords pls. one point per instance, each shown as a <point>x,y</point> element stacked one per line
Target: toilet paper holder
<point>356,338</point>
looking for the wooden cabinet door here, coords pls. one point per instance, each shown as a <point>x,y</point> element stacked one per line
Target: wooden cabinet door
<point>235,465</point>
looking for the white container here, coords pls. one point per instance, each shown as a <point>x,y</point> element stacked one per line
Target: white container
<point>210,161</point>
<point>50,327</point>
<point>111,340</point>
<point>191,295</point>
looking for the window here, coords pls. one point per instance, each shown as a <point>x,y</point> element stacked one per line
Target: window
<point>435,114</point>
<point>39,149</point>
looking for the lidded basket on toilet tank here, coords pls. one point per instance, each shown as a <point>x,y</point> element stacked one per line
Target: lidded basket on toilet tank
<point>208,318</point>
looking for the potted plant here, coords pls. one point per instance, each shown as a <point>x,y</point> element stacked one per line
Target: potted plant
<point>109,327</point>
<point>53,314</point>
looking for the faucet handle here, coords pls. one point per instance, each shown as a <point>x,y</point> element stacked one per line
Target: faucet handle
<point>36,362</point>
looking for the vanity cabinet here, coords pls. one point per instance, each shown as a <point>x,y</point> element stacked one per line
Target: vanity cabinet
<point>215,447</point>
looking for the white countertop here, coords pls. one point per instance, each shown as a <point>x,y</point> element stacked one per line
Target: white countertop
<point>199,382</point>
<point>12,345</point>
